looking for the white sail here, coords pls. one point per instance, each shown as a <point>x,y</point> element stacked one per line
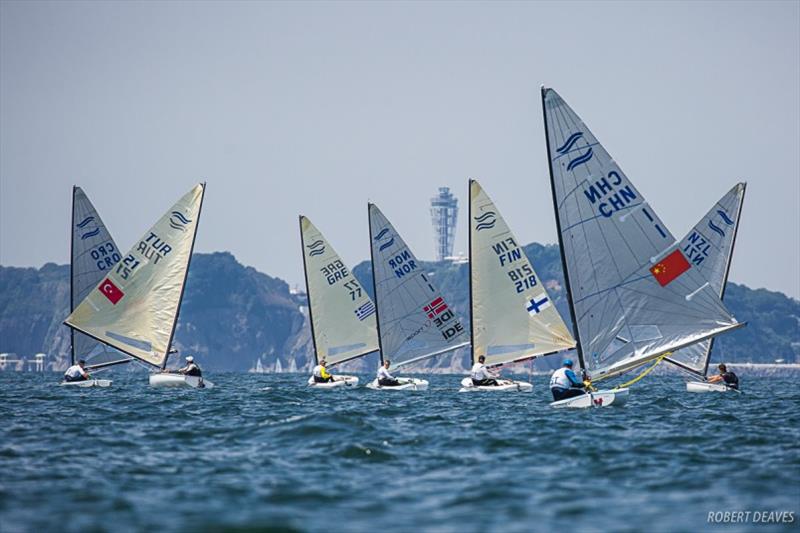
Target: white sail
<point>634,296</point>
<point>342,313</point>
<point>414,320</point>
<point>135,306</point>
<point>513,316</point>
<point>94,253</point>
<point>709,247</point>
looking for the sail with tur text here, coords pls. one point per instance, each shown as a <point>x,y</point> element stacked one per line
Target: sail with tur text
<point>634,295</point>
<point>135,306</point>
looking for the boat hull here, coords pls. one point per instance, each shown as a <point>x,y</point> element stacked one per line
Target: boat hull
<point>504,385</point>
<point>702,386</point>
<point>87,383</point>
<point>601,398</point>
<point>407,384</point>
<point>167,380</point>
<point>340,382</point>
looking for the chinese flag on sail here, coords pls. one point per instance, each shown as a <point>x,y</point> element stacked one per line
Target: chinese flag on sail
<point>111,291</point>
<point>670,268</point>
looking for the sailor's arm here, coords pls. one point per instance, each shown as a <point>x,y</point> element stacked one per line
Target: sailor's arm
<point>715,379</point>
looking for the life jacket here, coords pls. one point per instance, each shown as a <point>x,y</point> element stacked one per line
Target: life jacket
<point>194,370</point>
<point>559,379</point>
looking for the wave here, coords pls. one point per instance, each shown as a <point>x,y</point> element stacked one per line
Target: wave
<point>85,221</point>
<point>180,216</point>
<point>580,160</point>
<point>386,244</point>
<point>315,244</point>
<point>380,235</point>
<point>90,234</point>
<point>488,214</point>
<point>569,142</point>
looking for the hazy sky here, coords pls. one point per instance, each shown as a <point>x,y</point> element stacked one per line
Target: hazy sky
<point>315,108</point>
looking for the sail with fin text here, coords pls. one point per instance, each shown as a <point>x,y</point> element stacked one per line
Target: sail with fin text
<point>414,319</point>
<point>342,315</point>
<point>513,316</point>
<point>135,306</point>
<point>93,254</point>
<point>634,295</point>
<point>709,248</point>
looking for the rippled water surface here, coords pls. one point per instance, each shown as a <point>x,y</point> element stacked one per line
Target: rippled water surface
<point>263,451</point>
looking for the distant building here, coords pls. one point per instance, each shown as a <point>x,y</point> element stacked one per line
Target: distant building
<point>444,214</point>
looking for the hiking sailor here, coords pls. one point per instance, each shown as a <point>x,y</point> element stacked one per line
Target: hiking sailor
<point>729,378</point>
<point>321,374</point>
<point>481,376</point>
<point>564,383</point>
<point>191,368</point>
<point>76,372</point>
<point>385,379</point>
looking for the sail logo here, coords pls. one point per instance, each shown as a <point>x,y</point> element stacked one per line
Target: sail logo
<point>366,310</point>
<point>565,148</point>
<point>90,234</point>
<point>82,224</point>
<point>111,291</point>
<point>317,248</point>
<point>537,304</point>
<point>717,229</point>
<point>178,221</point>
<point>485,221</point>
<point>380,236</point>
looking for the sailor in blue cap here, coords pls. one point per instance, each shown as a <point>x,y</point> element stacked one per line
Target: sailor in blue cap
<point>564,383</point>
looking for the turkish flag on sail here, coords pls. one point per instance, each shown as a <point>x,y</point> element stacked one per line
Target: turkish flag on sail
<point>670,268</point>
<point>111,291</point>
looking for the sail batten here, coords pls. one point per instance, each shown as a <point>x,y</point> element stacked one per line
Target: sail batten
<point>627,310</point>
<point>134,309</point>
<point>513,315</point>
<point>414,319</point>
<point>341,313</point>
<point>93,254</point>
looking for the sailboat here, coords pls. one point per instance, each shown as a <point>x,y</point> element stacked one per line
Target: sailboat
<point>634,296</point>
<point>134,309</point>
<point>414,320</point>
<point>341,314</point>
<point>709,247</point>
<point>93,253</point>
<point>513,317</point>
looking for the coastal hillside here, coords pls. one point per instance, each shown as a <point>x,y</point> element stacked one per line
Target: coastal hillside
<point>236,318</point>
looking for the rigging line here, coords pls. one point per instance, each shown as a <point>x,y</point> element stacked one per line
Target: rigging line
<point>656,361</point>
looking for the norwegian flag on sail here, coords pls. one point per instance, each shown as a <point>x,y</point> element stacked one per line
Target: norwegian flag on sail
<point>436,307</point>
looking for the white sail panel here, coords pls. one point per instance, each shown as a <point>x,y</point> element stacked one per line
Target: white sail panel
<point>414,320</point>
<point>513,316</point>
<point>709,247</point>
<point>633,294</point>
<point>94,254</point>
<point>342,313</point>
<point>135,306</point>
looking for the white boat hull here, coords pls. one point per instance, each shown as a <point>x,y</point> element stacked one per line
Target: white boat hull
<point>601,398</point>
<point>87,383</point>
<point>503,385</point>
<point>702,386</point>
<point>337,383</point>
<point>406,384</point>
<point>167,379</point>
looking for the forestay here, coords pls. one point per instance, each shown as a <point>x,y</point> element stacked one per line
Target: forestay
<point>513,316</point>
<point>135,306</point>
<point>709,248</point>
<point>94,254</point>
<point>342,314</point>
<point>414,320</point>
<point>634,295</point>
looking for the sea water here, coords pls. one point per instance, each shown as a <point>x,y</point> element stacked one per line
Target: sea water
<point>266,452</point>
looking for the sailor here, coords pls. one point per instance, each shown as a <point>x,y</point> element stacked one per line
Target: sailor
<point>385,379</point>
<point>730,379</point>
<point>77,372</point>
<point>191,368</point>
<point>481,377</point>
<point>321,374</point>
<point>564,383</point>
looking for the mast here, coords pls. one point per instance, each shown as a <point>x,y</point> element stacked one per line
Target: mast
<point>575,331</point>
<point>185,277</point>
<point>71,282</point>
<point>469,247</point>
<point>308,290</point>
<point>727,270</point>
<point>374,284</point>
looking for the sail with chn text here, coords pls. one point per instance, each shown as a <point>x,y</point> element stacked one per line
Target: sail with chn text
<point>709,248</point>
<point>93,255</point>
<point>415,321</point>
<point>341,312</point>
<point>513,315</point>
<point>633,295</point>
<point>135,306</point>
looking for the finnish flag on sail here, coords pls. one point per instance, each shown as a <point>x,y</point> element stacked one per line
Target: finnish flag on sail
<point>537,304</point>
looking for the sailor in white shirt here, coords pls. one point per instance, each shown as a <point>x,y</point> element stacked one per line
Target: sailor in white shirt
<point>385,379</point>
<point>76,372</point>
<point>481,377</point>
